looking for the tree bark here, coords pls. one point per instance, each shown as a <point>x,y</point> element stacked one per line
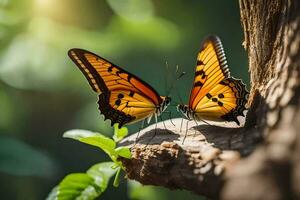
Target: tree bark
<point>258,161</point>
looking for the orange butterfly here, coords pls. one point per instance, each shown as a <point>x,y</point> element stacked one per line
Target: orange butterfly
<point>123,97</point>
<point>215,94</point>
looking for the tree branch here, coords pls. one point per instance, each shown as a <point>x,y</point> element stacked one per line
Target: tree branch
<point>160,157</point>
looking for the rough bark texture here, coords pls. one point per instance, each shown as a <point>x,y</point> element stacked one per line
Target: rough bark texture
<point>160,157</point>
<point>258,161</point>
<point>272,40</point>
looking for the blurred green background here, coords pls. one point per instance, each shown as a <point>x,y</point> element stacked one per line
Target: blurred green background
<point>43,94</point>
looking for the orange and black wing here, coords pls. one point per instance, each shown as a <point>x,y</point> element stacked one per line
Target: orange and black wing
<point>226,101</point>
<point>211,69</point>
<point>123,97</point>
<point>215,95</point>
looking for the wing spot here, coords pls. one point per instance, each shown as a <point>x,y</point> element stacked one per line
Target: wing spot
<point>221,96</point>
<point>220,103</point>
<point>120,96</point>
<point>198,84</point>
<point>118,102</point>
<point>131,93</point>
<point>119,72</point>
<point>208,96</point>
<point>200,62</point>
<point>110,69</point>
<point>200,73</point>
<point>214,99</point>
<point>129,77</point>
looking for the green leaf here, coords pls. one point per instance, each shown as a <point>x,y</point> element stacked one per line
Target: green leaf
<point>78,134</point>
<point>117,178</point>
<point>119,133</point>
<point>85,186</point>
<point>123,152</point>
<point>104,143</point>
<point>95,139</point>
<point>102,172</point>
<point>75,186</point>
<point>53,194</point>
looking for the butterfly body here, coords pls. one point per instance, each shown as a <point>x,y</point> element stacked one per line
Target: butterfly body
<point>215,95</point>
<point>123,97</point>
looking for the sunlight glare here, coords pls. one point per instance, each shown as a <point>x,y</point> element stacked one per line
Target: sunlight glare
<point>43,4</point>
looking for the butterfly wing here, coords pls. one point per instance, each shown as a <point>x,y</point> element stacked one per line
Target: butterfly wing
<point>211,69</point>
<point>123,97</point>
<point>225,101</point>
<point>215,95</point>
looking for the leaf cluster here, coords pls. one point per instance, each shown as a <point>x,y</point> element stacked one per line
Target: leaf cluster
<point>94,181</point>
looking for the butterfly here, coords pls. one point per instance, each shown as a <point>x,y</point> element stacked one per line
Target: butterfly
<point>123,97</point>
<point>215,95</point>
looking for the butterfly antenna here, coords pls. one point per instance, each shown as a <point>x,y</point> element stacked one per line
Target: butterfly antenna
<point>175,80</point>
<point>166,77</point>
<point>177,69</point>
<point>181,74</point>
<point>179,77</point>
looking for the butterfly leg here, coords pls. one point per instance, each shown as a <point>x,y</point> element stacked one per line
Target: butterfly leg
<point>149,119</point>
<point>181,125</point>
<point>141,127</point>
<point>195,128</point>
<point>153,134</point>
<point>186,130</point>
<point>164,123</point>
<point>155,129</point>
<point>170,117</point>
<point>205,122</point>
<point>155,116</point>
<point>161,119</point>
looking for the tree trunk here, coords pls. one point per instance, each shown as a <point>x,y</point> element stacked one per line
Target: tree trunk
<point>258,161</point>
